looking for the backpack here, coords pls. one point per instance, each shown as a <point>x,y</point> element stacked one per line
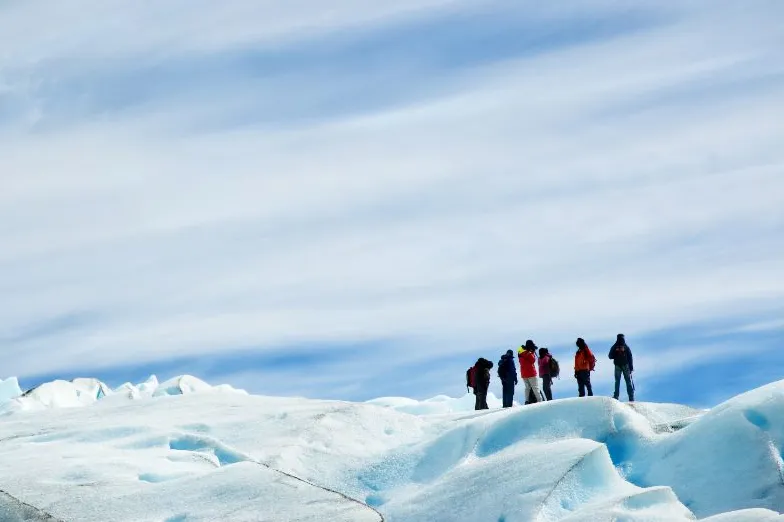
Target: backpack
<point>503,367</point>
<point>555,368</point>
<point>593,360</point>
<point>470,377</point>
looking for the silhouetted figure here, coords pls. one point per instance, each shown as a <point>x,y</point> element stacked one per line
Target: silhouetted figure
<point>508,375</point>
<point>482,382</point>
<point>624,365</point>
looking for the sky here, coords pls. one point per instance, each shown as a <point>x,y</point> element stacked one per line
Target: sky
<point>353,199</point>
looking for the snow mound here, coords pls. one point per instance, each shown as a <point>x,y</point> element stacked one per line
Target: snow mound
<point>84,392</point>
<point>702,464</point>
<point>181,386</point>
<point>747,515</point>
<point>194,457</point>
<point>550,461</point>
<point>738,446</point>
<point>192,453</point>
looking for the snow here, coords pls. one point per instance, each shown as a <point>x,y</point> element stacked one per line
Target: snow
<point>183,450</point>
<point>9,389</point>
<point>84,392</point>
<point>738,447</point>
<point>181,386</point>
<point>438,404</point>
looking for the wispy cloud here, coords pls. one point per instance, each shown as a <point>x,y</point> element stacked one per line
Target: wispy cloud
<point>195,179</point>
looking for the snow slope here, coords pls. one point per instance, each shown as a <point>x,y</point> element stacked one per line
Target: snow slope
<point>439,404</point>
<point>185,451</point>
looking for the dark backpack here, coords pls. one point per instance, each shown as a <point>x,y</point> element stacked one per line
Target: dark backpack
<point>470,377</point>
<point>555,368</point>
<point>503,367</point>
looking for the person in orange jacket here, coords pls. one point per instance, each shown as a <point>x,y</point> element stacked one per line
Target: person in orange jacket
<point>526,355</point>
<point>584,364</point>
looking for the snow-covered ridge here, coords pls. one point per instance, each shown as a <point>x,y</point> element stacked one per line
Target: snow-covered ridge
<point>179,452</point>
<point>87,391</point>
<point>436,405</point>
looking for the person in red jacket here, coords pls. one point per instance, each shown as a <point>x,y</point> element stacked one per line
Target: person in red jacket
<point>584,363</point>
<point>526,355</point>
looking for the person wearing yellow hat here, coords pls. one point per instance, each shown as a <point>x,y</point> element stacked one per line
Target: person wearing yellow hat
<point>526,355</point>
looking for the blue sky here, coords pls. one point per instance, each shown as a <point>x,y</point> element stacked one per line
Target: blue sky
<point>350,200</point>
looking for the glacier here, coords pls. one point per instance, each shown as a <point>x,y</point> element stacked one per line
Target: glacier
<point>183,451</point>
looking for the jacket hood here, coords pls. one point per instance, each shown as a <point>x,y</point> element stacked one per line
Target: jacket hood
<point>484,363</point>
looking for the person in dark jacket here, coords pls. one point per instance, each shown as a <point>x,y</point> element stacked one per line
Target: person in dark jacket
<point>508,375</point>
<point>624,365</point>
<point>482,382</point>
<point>544,373</point>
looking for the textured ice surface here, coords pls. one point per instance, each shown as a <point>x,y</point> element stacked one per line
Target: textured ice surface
<point>185,451</point>
<point>84,392</point>
<point>9,389</point>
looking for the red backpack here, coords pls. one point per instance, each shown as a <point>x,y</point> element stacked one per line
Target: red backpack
<point>591,358</point>
<point>471,377</point>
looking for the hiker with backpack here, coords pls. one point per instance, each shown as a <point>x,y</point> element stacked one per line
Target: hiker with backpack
<point>584,364</point>
<point>624,365</point>
<point>548,368</point>
<point>478,378</point>
<point>526,354</point>
<point>508,375</point>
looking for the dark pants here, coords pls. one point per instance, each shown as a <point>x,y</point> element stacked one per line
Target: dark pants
<point>584,382</point>
<point>627,376</point>
<point>547,384</point>
<point>509,389</point>
<point>481,401</point>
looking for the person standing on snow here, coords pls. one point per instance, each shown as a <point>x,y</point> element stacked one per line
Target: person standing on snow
<point>584,364</point>
<point>624,365</point>
<point>482,382</point>
<point>544,372</point>
<point>527,357</point>
<point>508,375</point>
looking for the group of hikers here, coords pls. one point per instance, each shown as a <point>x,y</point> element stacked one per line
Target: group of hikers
<point>536,363</point>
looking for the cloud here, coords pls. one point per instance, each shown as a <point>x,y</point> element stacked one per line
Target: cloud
<point>320,73</point>
<point>301,176</point>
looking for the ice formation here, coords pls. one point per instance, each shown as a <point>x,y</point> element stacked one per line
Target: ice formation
<point>185,451</point>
